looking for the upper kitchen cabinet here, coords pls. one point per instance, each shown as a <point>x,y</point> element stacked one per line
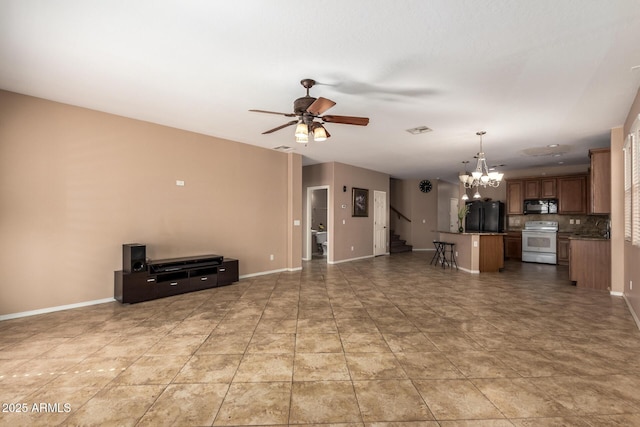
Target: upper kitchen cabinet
<point>540,188</point>
<point>600,174</point>
<point>514,197</point>
<point>572,194</point>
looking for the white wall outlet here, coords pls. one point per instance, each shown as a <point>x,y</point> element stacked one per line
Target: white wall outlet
<point>271,257</point>
<point>344,221</point>
<point>296,222</point>
<point>572,221</point>
<point>630,285</point>
<point>577,221</point>
<point>180,183</point>
<point>351,248</point>
<point>475,244</point>
<point>424,221</point>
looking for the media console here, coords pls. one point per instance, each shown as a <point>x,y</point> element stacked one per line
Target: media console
<point>167,277</point>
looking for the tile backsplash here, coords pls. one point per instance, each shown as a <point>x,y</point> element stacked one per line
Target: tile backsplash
<point>582,224</point>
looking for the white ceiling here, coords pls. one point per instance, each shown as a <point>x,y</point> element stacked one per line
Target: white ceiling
<point>529,73</point>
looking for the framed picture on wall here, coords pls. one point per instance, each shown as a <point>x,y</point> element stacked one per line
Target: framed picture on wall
<point>360,202</point>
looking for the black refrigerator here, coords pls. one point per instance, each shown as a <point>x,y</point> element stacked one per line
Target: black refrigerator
<point>485,217</point>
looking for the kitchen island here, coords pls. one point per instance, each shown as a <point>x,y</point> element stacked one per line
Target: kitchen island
<point>477,252</point>
<point>590,262</point>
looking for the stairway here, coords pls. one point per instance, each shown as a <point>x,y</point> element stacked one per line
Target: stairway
<point>397,245</point>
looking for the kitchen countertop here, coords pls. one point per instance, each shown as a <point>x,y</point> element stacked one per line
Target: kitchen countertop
<point>474,234</point>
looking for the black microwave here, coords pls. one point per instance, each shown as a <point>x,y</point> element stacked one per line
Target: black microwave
<point>546,206</point>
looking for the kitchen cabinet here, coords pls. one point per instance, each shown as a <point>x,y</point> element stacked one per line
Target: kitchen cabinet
<point>540,188</point>
<point>590,263</point>
<point>572,194</point>
<point>514,197</point>
<point>491,253</point>
<point>600,185</point>
<point>513,245</point>
<point>562,249</point>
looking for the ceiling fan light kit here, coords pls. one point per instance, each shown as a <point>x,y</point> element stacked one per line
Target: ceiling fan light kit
<point>307,109</point>
<point>481,176</point>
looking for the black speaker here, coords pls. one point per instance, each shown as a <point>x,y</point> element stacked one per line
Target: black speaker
<point>134,257</point>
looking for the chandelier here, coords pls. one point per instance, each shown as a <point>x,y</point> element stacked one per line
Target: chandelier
<point>481,176</point>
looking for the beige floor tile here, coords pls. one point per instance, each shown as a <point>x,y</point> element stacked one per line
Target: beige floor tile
<point>183,344</point>
<point>364,343</point>
<point>456,400</point>
<point>317,326</point>
<point>519,398</point>
<point>264,367</point>
<point>374,366</point>
<point>186,405</point>
<point>255,403</point>
<point>152,370</point>
<point>116,406</point>
<point>271,343</point>
<point>318,343</point>
<point>320,367</point>
<point>412,342</point>
<point>391,400</point>
<point>481,364</point>
<point>428,366</point>
<point>324,402</point>
<point>209,368</point>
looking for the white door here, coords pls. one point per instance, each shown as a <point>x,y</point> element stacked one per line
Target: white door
<point>453,215</point>
<point>379,223</point>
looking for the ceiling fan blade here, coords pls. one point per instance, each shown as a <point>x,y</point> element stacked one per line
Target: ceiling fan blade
<point>292,122</point>
<point>274,112</point>
<point>320,105</point>
<point>347,120</point>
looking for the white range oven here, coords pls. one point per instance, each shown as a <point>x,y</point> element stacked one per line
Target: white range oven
<point>539,242</point>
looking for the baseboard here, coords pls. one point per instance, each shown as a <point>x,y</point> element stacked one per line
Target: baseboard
<point>469,271</point>
<point>616,294</point>
<point>54,309</point>
<point>350,259</point>
<point>263,273</point>
<point>423,250</point>
<point>633,313</point>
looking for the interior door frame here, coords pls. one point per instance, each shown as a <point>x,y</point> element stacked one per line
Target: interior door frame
<point>380,195</point>
<point>308,255</point>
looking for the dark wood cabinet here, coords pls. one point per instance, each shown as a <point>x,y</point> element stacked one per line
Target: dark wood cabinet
<point>148,285</point>
<point>548,188</point>
<point>513,245</point>
<point>572,194</point>
<point>228,272</point>
<point>562,249</point>
<point>590,263</point>
<point>515,193</point>
<point>600,182</point>
<point>540,188</point>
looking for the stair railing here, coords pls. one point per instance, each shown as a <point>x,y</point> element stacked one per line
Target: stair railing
<point>400,214</point>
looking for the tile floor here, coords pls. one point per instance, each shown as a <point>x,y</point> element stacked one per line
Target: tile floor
<point>390,341</point>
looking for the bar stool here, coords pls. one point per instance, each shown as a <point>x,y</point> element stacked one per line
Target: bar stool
<point>438,257</point>
<point>451,260</point>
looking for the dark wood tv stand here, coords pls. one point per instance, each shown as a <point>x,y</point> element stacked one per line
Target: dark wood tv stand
<point>174,276</point>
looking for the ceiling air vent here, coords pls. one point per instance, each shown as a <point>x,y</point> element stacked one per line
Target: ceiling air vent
<point>284,148</point>
<point>418,130</point>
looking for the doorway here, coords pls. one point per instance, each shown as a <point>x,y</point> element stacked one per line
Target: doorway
<point>318,233</point>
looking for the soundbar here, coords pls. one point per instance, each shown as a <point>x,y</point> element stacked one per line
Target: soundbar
<point>186,263</point>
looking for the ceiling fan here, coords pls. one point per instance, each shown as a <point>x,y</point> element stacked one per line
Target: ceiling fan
<point>306,110</point>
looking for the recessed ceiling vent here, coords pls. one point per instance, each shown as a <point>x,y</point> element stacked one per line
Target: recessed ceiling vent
<point>418,130</point>
<point>548,150</point>
<point>284,148</point>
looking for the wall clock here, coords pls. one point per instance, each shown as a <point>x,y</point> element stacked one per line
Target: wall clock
<point>425,186</point>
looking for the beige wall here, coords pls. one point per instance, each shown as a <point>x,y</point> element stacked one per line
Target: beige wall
<point>631,253</point>
<point>76,184</point>
<point>421,208</point>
